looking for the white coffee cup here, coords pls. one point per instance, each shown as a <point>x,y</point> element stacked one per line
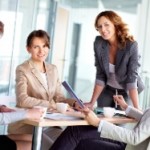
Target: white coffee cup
<point>61,107</point>
<point>44,109</point>
<point>108,112</point>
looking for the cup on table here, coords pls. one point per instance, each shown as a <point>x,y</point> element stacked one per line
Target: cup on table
<point>61,107</point>
<point>44,109</point>
<point>108,112</point>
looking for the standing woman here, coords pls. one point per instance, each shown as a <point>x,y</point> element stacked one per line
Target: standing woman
<point>116,61</point>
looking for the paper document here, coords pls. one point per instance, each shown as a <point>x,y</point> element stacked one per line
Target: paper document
<point>59,116</point>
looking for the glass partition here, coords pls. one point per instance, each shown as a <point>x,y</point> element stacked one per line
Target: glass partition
<point>20,17</point>
<point>70,24</point>
<point>78,61</point>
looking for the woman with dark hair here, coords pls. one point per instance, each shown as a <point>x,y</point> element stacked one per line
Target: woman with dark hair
<point>116,61</point>
<point>38,84</point>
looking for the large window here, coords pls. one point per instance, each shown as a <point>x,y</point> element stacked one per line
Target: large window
<point>79,69</point>
<point>20,18</point>
<point>70,24</point>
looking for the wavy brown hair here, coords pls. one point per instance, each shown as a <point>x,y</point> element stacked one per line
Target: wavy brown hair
<point>122,30</point>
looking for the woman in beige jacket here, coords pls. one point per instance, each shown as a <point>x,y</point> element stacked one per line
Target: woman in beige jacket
<point>37,82</point>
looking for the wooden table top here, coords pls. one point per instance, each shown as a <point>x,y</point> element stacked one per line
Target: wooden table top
<point>50,122</point>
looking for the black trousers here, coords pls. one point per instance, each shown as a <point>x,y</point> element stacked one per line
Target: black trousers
<point>74,137</point>
<point>6,143</point>
<point>106,97</point>
<point>102,144</point>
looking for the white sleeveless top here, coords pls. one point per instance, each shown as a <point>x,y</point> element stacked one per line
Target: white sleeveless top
<point>112,78</point>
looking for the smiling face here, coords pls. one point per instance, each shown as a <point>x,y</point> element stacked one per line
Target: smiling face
<point>106,28</point>
<point>38,49</point>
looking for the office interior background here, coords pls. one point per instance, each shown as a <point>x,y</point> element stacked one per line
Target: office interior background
<point>70,23</point>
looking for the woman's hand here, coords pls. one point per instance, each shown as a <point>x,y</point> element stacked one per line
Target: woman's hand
<point>4,108</point>
<point>35,113</point>
<point>76,106</point>
<point>89,105</point>
<point>91,117</point>
<point>120,101</point>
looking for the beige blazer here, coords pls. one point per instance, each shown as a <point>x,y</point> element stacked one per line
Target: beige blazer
<point>31,90</point>
<point>136,139</point>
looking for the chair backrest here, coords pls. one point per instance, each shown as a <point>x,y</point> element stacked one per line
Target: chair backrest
<point>8,100</point>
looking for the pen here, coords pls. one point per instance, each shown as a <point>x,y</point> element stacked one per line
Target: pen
<point>116,101</point>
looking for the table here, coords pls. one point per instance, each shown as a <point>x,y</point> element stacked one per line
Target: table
<point>39,124</point>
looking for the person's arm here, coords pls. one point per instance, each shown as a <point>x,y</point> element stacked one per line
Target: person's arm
<point>132,137</point>
<point>133,93</point>
<point>96,92</point>
<point>134,113</point>
<point>132,74</point>
<point>91,117</point>
<point>10,117</point>
<point>4,108</point>
<point>130,111</point>
<point>100,73</point>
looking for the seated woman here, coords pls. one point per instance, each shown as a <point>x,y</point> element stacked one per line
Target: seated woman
<point>107,135</point>
<point>38,84</point>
